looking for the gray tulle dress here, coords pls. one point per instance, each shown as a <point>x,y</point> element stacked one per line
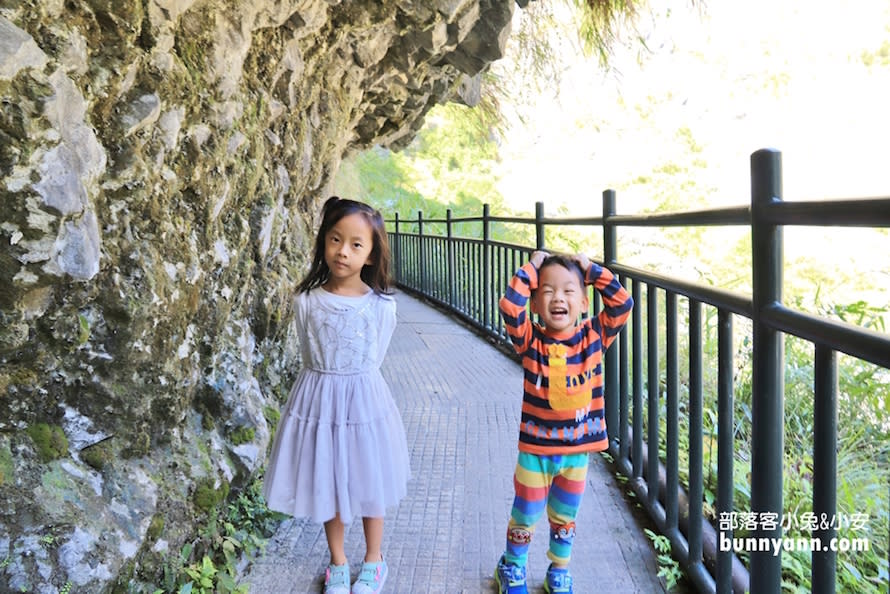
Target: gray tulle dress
<point>340,445</point>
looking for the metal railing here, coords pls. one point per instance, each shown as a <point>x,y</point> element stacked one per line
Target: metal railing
<point>466,276</point>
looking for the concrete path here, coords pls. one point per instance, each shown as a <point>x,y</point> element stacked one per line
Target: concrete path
<point>460,400</point>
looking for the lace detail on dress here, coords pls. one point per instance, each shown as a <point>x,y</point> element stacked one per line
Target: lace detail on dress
<point>342,333</point>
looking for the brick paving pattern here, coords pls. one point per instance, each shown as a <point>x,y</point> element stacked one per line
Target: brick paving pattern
<point>460,399</point>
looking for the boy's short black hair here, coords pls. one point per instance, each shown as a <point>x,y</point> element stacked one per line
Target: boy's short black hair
<point>566,262</point>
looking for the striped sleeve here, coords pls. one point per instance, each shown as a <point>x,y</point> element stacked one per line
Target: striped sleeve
<point>513,306</point>
<point>617,302</point>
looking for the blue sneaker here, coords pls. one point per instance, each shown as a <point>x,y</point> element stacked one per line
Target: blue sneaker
<point>559,580</point>
<point>371,578</point>
<point>510,578</point>
<point>336,579</point>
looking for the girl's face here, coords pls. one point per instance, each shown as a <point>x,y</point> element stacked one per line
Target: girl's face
<point>348,245</point>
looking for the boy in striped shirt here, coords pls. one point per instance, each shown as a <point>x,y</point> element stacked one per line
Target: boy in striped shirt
<point>562,406</point>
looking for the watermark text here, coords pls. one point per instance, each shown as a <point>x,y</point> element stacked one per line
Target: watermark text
<point>775,545</point>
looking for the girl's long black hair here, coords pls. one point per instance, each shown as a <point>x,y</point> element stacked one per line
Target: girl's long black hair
<point>376,274</point>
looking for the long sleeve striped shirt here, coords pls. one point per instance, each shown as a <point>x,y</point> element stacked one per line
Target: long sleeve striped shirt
<point>563,405</point>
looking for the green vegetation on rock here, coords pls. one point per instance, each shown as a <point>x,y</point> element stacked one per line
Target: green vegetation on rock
<point>242,435</point>
<point>97,455</point>
<point>207,497</point>
<point>49,440</point>
<point>7,467</point>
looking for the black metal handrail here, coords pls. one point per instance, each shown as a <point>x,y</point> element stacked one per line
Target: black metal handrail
<point>466,276</point>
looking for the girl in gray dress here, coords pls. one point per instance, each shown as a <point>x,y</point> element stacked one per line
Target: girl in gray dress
<point>340,450</point>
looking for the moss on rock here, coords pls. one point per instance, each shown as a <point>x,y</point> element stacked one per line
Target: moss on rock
<point>97,455</point>
<point>49,440</point>
<point>207,497</point>
<point>155,527</point>
<point>140,444</point>
<point>7,466</point>
<point>242,435</point>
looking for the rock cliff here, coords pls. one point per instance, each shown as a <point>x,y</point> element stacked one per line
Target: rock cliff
<point>162,163</point>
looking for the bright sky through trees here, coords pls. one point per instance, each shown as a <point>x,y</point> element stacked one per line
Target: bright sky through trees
<point>673,128</point>
<point>728,78</point>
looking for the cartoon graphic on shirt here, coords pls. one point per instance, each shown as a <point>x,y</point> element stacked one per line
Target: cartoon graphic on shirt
<point>559,396</point>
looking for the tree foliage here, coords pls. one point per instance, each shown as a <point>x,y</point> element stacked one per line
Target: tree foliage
<point>602,21</point>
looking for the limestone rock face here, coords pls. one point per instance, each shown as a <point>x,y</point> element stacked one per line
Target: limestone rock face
<point>162,163</point>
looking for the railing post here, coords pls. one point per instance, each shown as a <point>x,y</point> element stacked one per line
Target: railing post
<point>396,252</point>
<point>767,386</point>
<point>420,258</point>
<point>623,422</point>
<point>824,564</point>
<point>539,226</point>
<point>672,417</point>
<point>725,426</point>
<point>611,357</point>
<point>695,454</point>
<point>610,240</point>
<point>653,387</point>
<point>637,349</point>
<point>486,267</point>
<point>450,254</point>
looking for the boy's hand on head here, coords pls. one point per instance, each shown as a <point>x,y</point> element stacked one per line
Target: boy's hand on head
<point>583,261</point>
<point>538,258</point>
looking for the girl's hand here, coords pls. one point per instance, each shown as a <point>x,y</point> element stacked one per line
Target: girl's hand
<point>538,258</point>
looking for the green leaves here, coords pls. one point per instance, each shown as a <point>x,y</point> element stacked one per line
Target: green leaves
<point>208,565</point>
<point>202,576</point>
<point>668,568</point>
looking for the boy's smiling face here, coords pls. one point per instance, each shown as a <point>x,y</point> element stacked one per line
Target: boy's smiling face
<point>560,297</point>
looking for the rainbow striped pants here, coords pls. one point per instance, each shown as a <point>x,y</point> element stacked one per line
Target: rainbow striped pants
<point>554,483</point>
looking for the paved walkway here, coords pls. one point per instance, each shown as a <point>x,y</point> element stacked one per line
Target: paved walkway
<point>460,399</point>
